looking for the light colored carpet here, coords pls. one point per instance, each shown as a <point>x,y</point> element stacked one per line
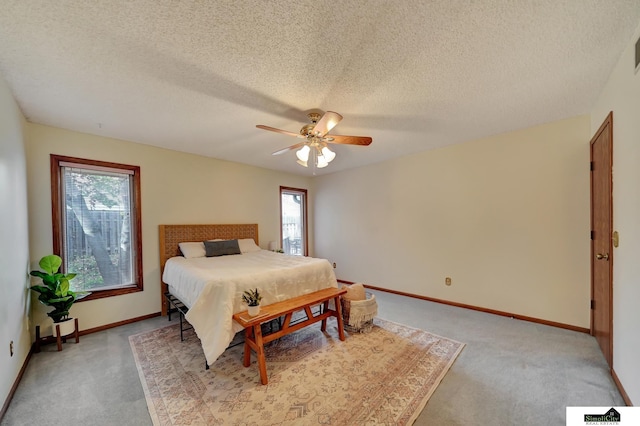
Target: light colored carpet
<point>382,377</point>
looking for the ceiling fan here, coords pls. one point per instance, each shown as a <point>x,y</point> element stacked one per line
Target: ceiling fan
<point>316,139</point>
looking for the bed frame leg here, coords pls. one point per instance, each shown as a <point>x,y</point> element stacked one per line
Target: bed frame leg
<point>181,329</point>
<point>206,365</point>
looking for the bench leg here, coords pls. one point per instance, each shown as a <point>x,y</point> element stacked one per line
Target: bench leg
<point>246,361</point>
<point>323,327</point>
<point>339,317</point>
<point>262,363</point>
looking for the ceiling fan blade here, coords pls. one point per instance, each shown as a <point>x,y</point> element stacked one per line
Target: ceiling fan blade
<point>284,132</point>
<point>326,123</point>
<point>349,140</point>
<point>292,147</point>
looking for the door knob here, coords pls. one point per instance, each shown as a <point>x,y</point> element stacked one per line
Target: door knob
<point>602,256</point>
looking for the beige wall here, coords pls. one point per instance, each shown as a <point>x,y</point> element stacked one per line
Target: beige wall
<point>14,242</point>
<point>176,188</point>
<point>506,217</point>
<point>622,96</point>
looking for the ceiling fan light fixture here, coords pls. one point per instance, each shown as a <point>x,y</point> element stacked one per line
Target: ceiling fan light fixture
<point>328,154</point>
<point>316,137</point>
<point>303,154</point>
<point>321,162</point>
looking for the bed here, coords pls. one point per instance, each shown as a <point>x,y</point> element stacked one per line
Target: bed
<point>211,287</point>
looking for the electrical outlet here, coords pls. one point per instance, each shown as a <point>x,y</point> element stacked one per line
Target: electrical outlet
<point>334,265</point>
<point>11,348</point>
<point>447,281</point>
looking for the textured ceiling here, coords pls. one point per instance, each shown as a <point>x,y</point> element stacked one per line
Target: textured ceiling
<point>197,76</point>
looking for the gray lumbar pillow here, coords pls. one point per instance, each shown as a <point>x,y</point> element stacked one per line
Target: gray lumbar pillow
<point>221,248</point>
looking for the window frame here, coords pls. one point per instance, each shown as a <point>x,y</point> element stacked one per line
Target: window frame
<point>305,230</point>
<point>57,227</point>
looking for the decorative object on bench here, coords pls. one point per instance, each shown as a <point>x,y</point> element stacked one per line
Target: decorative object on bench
<point>254,338</point>
<point>55,292</point>
<point>383,377</point>
<point>359,308</point>
<point>252,298</point>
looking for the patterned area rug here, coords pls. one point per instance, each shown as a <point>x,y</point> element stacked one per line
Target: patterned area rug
<point>385,376</point>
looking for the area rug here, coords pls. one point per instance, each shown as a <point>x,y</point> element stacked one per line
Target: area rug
<point>385,377</point>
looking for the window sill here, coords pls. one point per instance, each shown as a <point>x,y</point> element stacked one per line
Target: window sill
<point>100,294</point>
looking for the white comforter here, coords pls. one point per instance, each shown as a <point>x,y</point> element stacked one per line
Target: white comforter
<point>212,287</point>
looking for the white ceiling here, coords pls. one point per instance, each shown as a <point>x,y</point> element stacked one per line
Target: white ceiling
<point>197,76</point>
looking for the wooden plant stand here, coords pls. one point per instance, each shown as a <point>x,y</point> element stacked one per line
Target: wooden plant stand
<point>252,325</point>
<point>58,339</point>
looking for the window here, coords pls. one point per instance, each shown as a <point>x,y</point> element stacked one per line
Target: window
<point>96,224</point>
<point>293,221</point>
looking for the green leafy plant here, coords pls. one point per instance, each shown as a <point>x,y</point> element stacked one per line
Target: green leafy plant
<point>252,297</point>
<point>55,289</point>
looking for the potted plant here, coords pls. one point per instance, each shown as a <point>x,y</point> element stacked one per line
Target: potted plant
<point>55,292</point>
<point>252,298</point>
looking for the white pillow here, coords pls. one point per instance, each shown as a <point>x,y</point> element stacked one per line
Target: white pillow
<point>192,249</point>
<point>247,245</point>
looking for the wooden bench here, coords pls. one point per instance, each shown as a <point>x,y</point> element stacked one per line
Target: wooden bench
<point>252,325</point>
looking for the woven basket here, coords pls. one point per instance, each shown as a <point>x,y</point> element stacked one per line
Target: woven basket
<point>358,314</point>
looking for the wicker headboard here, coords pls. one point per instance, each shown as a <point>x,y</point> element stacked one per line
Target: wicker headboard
<point>171,235</point>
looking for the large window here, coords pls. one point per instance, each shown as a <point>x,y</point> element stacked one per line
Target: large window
<point>293,221</point>
<point>96,224</point>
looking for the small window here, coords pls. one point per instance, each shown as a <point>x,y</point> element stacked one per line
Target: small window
<point>96,224</point>
<point>293,221</point>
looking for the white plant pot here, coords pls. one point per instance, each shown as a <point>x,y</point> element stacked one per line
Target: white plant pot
<point>66,327</point>
<point>253,310</point>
